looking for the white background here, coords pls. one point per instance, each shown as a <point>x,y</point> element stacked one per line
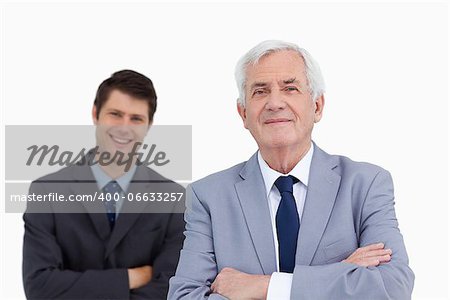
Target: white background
<point>385,65</point>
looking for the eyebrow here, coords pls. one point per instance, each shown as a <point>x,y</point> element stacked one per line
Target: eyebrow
<point>258,84</point>
<point>264,84</point>
<point>114,110</point>
<point>138,115</point>
<point>291,80</point>
<point>121,112</point>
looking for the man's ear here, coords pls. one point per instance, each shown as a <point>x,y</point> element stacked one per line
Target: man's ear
<point>242,112</point>
<point>94,115</point>
<point>319,104</point>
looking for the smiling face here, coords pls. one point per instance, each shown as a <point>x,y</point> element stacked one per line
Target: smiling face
<point>279,111</point>
<point>122,121</point>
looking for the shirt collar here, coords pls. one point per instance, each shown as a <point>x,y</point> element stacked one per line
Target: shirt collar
<point>300,171</point>
<point>103,179</point>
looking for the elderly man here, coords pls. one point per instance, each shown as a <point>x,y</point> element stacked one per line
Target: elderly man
<point>293,221</point>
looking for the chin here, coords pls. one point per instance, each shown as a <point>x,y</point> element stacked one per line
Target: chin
<point>278,143</point>
<point>279,140</point>
<point>117,150</point>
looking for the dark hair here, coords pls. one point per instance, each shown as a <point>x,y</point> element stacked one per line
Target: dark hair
<point>131,83</point>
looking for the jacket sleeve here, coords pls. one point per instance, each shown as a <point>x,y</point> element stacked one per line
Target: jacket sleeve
<point>166,261</point>
<point>43,273</point>
<point>197,268</point>
<point>392,280</point>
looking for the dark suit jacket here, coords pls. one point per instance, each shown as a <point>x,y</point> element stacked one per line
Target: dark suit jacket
<point>77,256</point>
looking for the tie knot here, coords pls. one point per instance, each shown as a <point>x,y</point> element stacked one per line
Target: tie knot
<point>112,187</point>
<point>285,183</point>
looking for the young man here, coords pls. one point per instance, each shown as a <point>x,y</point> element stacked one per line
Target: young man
<point>116,249</point>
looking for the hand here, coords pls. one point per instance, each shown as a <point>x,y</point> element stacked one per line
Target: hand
<point>140,276</point>
<point>370,256</point>
<point>234,284</point>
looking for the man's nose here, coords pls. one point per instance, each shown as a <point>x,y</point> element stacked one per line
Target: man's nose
<point>123,126</point>
<point>275,100</point>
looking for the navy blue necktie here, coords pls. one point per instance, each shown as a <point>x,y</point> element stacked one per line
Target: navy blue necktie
<point>110,190</point>
<point>287,222</point>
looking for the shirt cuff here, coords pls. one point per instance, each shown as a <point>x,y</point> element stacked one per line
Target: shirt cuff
<point>279,286</point>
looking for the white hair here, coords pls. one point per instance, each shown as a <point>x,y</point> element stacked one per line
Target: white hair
<point>316,84</point>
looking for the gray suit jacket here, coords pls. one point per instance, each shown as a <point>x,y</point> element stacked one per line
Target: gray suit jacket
<point>348,205</point>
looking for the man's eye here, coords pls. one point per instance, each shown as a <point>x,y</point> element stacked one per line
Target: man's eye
<point>291,88</point>
<point>258,92</point>
<point>136,119</point>
<point>113,113</point>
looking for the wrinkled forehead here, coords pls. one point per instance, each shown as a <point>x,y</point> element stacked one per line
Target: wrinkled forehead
<point>277,67</point>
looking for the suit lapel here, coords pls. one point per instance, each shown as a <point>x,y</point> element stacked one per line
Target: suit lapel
<point>323,186</point>
<point>254,203</point>
<point>131,210</point>
<point>85,184</point>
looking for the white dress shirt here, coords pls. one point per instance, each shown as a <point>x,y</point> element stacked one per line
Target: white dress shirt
<point>280,283</point>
